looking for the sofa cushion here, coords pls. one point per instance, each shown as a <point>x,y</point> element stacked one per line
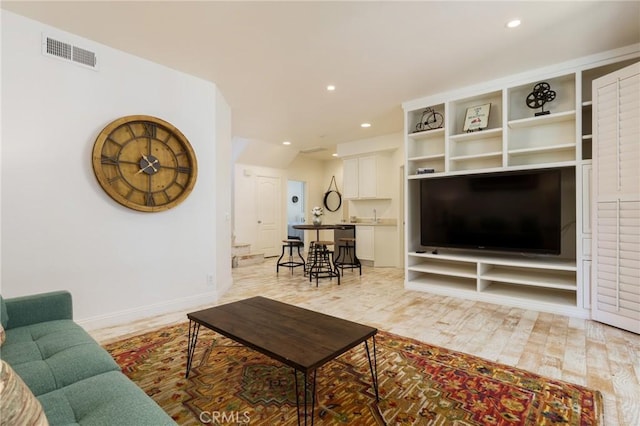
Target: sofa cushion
<point>44,339</point>
<point>105,399</point>
<point>36,308</point>
<point>17,404</point>
<point>54,354</point>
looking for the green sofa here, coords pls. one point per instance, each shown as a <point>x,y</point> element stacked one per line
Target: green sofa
<point>75,380</point>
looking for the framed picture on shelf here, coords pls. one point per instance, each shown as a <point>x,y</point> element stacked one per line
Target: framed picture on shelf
<point>477,118</point>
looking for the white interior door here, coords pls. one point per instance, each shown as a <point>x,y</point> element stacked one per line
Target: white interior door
<point>268,215</point>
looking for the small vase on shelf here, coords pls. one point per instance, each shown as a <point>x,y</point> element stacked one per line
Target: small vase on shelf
<point>317,221</point>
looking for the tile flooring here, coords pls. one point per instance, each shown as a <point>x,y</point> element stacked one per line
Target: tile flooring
<point>580,351</point>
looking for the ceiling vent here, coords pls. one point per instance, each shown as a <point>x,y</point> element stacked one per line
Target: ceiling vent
<point>312,150</point>
<point>68,52</point>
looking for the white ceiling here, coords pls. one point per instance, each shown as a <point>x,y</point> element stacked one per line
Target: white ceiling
<point>272,61</point>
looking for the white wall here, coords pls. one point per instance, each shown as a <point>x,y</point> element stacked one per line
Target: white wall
<point>60,230</point>
<point>223,194</point>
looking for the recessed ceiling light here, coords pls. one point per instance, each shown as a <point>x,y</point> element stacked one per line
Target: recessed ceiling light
<point>513,23</point>
<point>365,125</point>
<point>331,87</point>
<point>335,154</point>
<point>286,143</point>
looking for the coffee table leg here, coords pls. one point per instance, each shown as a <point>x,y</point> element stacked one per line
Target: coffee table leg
<point>373,367</point>
<point>194,328</point>
<point>306,389</point>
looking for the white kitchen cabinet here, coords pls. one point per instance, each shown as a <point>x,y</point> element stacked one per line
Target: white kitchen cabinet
<point>367,177</point>
<point>375,243</point>
<point>365,248</point>
<point>385,247</point>
<point>350,178</point>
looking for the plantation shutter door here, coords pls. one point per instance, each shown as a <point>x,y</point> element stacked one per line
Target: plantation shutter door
<point>616,200</point>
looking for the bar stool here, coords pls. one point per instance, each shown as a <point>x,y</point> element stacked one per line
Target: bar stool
<point>322,266</point>
<point>291,262</point>
<point>347,256</point>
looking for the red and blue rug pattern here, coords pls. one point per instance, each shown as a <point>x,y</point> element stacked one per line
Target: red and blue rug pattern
<point>419,384</point>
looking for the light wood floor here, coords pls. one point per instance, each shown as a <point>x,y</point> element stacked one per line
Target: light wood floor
<point>579,351</point>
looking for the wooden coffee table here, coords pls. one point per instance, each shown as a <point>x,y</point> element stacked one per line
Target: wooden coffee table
<point>297,337</point>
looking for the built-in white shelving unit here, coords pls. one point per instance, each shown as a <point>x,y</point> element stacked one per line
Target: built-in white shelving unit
<point>514,139</point>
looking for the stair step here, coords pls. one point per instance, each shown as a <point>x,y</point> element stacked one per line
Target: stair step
<point>240,248</point>
<point>247,259</point>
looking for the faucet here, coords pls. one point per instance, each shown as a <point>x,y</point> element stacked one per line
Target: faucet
<point>375,216</point>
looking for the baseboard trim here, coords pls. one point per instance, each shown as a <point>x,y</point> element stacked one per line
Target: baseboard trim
<point>147,311</point>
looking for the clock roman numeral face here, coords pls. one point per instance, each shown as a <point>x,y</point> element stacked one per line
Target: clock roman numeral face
<point>150,129</point>
<point>144,163</point>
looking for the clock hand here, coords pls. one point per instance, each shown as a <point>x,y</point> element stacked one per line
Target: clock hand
<point>149,164</point>
<point>145,168</point>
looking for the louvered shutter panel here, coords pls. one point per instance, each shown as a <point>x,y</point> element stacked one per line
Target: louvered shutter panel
<point>616,219</point>
<point>629,136</point>
<point>606,129</point>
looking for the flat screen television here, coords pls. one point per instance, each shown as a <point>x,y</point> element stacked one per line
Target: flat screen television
<point>505,211</point>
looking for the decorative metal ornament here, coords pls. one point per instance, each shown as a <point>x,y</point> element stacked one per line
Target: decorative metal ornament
<point>541,94</point>
<point>430,120</point>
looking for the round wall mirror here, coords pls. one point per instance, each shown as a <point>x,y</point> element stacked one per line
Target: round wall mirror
<point>332,200</point>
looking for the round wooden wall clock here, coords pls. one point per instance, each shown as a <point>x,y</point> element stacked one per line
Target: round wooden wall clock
<point>144,163</point>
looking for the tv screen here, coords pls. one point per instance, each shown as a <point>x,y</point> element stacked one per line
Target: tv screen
<point>511,211</point>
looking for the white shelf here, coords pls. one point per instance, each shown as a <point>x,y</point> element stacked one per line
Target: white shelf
<point>541,262</point>
<point>542,120</point>
<point>559,164</point>
<point>483,134</point>
<point>454,270</point>
<point>443,284</point>
<point>549,297</point>
<point>537,278</point>
<point>427,157</point>
<point>426,134</point>
<point>476,156</point>
<point>541,149</point>
<point>481,277</point>
<point>426,175</point>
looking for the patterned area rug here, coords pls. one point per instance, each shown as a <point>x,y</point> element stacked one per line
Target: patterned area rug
<point>419,384</point>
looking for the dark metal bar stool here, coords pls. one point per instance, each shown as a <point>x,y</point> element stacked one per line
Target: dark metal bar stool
<point>291,262</point>
<point>347,256</point>
<point>322,266</point>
